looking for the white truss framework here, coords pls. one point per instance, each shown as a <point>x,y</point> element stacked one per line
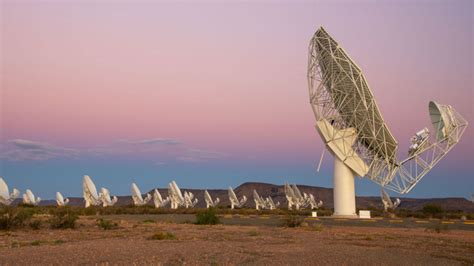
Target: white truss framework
<point>350,123</point>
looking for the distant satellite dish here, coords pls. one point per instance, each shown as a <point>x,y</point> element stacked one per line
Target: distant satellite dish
<point>387,202</point>
<point>106,199</point>
<point>5,197</point>
<point>189,200</point>
<point>91,198</point>
<point>234,201</point>
<point>60,200</point>
<point>354,131</point>
<point>260,203</point>
<point>158,200</point>
<point>209,202</point>
<point>137,198</point>
<point>176,197</point>
<point>298,200</point>
<point>270,204</point>
<point>29,198</point>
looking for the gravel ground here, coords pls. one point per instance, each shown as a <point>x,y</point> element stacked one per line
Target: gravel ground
<point>130,243</point>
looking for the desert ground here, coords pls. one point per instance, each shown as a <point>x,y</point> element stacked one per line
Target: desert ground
<point>134,241</point>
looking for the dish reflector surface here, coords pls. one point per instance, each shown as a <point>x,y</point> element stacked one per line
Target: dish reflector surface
<point>340,94</point>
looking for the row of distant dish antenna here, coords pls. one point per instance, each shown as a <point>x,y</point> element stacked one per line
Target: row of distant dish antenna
<point>175,197</point>
<point>187,199</point>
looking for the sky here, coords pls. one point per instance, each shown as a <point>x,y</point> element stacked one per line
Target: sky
<point>214,94</point>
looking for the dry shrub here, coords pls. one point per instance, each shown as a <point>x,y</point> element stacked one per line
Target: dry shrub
<point>11,218</point>
<point>163,236</point>
<point>106,224</point>
<point>293,220</point>
<point>63,218</point>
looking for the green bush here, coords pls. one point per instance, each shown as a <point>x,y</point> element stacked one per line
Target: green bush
<point>317,227</point>
<point>324,212</point>
<point>432,210</point>
<point>35,243</point>
<point>63,218</point>
<point>253,233</point>
<point>25,205</point>
<point>35,224</point>
<point>11,218</point>
<point>208,216</point>
<point>58,242</point>
<point>293,220</point>
<point>90,211</point>
<point>106,224</point>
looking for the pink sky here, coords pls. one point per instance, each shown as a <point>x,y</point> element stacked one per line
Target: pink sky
<point>228,78</point>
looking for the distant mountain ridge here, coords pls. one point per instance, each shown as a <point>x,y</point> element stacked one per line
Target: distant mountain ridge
<point>277,192</point>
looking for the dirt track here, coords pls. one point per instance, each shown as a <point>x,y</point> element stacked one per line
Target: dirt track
<point>221,244</point>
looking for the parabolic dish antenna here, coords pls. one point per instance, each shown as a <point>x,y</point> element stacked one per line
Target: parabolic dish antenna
<point>91,198</point>
<point>209,202</point>
<point>354,131</point>
<point>175,195</point>
<point>234,200</point>
<point>158,200</point>
<point>60,200</point>
<point>5,197</point>
<point>137,198</point>
<point>29,198</point>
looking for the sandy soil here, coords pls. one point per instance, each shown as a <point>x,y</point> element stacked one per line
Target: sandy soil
<point>130,243</point>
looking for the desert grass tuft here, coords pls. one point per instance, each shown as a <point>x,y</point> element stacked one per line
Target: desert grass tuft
<point>162,236</point>
<point>106,224</point>
<point>11,218</point>
<point>292,220</point>
<point>63,218</point>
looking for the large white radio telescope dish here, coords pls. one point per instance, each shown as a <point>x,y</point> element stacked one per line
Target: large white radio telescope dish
<point>354,131</point>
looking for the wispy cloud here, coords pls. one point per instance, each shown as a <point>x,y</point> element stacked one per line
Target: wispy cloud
<point>198,155</point>
<point>152,141</point>
<point>22,149</point>
<point>161,150</point>
<point>144,146</point>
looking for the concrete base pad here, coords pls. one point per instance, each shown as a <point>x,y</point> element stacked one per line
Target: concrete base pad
<point>355,216</point>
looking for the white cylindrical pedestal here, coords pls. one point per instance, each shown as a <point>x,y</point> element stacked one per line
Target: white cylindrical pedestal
<point>344,191</point>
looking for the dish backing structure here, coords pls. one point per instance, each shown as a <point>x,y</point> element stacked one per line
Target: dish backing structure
<point>158,199</point>
<point>354,131</point>
<point>234,200</point>
<point>209,202</point>
<point>295,198</point>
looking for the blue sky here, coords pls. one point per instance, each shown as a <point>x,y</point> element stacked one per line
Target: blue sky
<point>215,94</point>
